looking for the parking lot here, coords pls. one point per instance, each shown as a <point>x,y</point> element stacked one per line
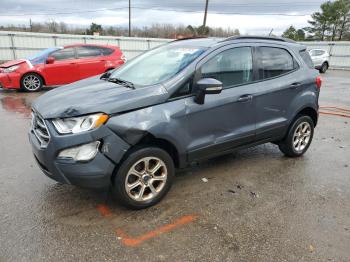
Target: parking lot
<point>253,205</point>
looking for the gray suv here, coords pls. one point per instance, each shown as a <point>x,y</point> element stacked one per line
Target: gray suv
<point>185,101</point>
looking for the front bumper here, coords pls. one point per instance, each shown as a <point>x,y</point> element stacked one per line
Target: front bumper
<point>93,174</point>
<point>10,80</point>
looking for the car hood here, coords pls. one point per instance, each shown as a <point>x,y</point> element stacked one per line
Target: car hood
<point>12,63</point>
<point>94,95</point>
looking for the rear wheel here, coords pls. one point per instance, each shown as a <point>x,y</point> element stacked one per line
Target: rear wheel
<point>31,82</point>
<point>299,137</point>
<point>323,68</point>
<point>144,178</point>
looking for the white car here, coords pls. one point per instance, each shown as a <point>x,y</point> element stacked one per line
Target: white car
<point>320,58</point>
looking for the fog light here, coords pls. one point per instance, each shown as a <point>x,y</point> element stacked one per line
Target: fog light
<point>81,153</point>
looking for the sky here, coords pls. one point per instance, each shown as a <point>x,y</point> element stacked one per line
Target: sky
<point>249,16</point>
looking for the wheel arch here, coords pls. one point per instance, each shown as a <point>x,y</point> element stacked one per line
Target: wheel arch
<point>150,140</point>
<point>309,111</point>
<point>33,72</point>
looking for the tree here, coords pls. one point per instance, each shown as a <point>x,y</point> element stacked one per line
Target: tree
<point>290,33</point>
<point>344,13</point>
<point>332,21</point>
<point>294,34</point>
<point>94,28</point>
<point>300,35</point>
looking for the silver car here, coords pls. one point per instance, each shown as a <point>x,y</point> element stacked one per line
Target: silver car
<point>320,58</point>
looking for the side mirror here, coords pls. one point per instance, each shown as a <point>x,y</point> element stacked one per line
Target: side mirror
<point>207,86</point>
<point>50,60</point>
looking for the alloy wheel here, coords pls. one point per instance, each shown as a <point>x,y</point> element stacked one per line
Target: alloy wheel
<point>302,136</point>
<point>31,82</point>
<point>146,178</point>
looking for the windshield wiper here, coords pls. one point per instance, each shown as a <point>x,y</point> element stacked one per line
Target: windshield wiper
<point>121,82</point>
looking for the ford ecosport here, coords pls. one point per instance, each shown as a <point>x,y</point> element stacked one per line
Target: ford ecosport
<point>176,104</point>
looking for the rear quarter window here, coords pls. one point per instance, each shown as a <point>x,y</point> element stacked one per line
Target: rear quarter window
<point>107,51</point>
<point>275,61</point>
<point>306,58</point>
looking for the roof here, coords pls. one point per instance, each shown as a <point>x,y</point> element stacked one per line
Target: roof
<point>78,44</point>
<point>209,42</point>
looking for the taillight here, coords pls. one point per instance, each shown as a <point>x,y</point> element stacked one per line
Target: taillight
<point>318,82</point>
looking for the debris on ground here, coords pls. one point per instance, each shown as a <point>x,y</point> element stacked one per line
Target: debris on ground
<point>231,191</point>
<point>253,194</point>
<point>311,248</point>
<point>205,180</point>
<point>239,186</point>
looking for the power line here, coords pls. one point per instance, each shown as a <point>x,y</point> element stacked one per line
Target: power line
<point>150,8</point>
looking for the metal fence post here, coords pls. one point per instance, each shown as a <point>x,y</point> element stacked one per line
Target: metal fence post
<point>54,37</point>
<point>13,45</point>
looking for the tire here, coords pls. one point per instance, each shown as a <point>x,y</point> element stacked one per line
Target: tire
<point>151,186</point>
<point>297,141</point>
<point>31,82</point>
<point>323,68</point>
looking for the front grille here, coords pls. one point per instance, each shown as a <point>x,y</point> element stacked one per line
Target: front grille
<point>40,130</point>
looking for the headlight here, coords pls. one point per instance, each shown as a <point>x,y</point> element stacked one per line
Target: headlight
<point>10,69</point>
<point>80,124</point>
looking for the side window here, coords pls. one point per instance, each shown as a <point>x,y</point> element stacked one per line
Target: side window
<point>88,51</point>
<point>231,67</point>
<point>106,51</point>
<point>64,54</point>
<point>313,52</point>
<point>307,59</point>
<point>274,61</point>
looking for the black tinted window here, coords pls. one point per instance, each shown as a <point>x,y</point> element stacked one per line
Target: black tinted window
<point>274,62</point>
<point>307,59</point>
<point>88,51</point>
<point>93,51</point>
<point>107,51</point>
<point>231,67</point>
<point>64,54</point>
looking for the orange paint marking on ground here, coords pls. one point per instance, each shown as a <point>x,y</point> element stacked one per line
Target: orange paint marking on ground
<point>335,107</point>
<point>334,114</point>
<point>135,241</point>
<point>104,210</point>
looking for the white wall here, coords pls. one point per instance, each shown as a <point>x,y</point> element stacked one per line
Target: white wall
<point>14,45</point>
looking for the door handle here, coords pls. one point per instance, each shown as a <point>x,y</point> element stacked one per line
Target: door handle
<point>245,98</point>
<point>295,85</point>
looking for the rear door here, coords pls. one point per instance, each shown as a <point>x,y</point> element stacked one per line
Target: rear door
<point>280,83</point>
<point>225,120</point>
<point>91,61</point>
<point>64,70</point>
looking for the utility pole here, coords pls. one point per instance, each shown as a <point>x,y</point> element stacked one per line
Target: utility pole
<point>205,13</point>
<point>30,25</point>
<point>129,18</point>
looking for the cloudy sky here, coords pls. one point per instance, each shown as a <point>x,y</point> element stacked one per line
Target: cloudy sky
<point>249,16</point>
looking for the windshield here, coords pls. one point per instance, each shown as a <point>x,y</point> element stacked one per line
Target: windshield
<point>41,57</point>
<point>157,65</point>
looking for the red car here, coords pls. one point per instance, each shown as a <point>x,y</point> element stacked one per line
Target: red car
<point>59,66</point>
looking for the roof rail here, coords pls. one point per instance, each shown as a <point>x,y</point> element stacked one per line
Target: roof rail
<point>189,38</point>
<point>273,38</point>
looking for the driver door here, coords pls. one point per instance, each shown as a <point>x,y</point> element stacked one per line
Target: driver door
<point>64,69</point>
<point>225,120</point>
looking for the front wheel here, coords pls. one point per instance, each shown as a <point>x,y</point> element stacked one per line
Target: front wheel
<point>31,82</point>
<point>323,68</point>
<point>299,137</point>
<point>144,178</point>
